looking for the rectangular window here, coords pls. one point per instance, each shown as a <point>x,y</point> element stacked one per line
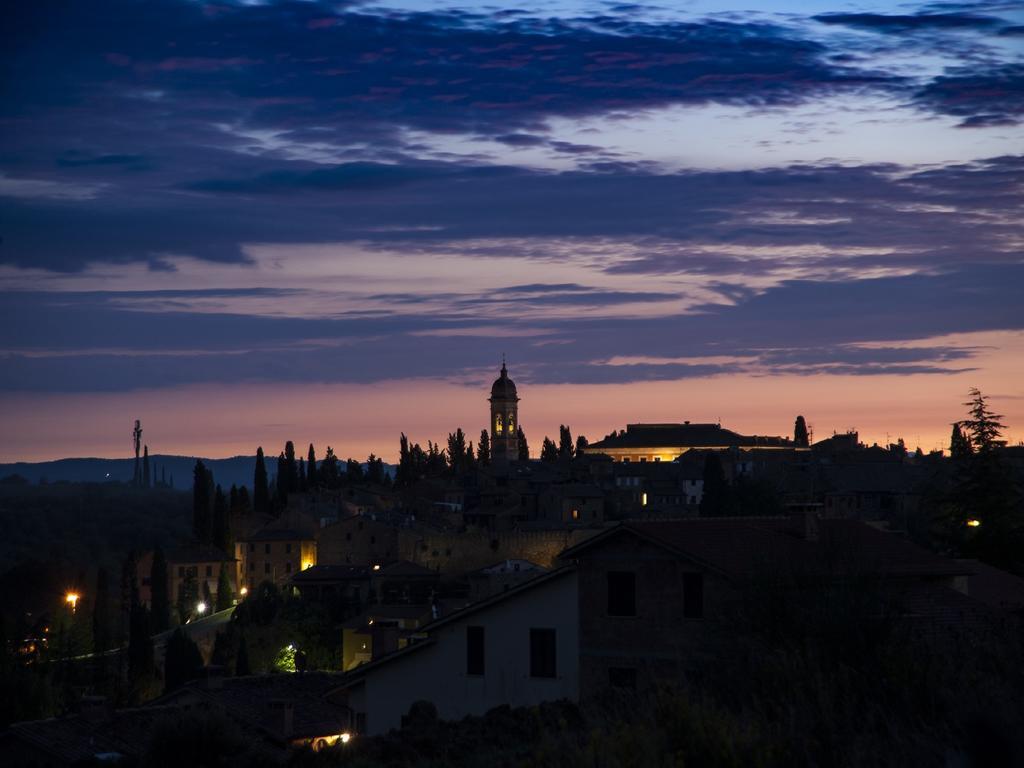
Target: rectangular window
<point>622,677</point>
<point>693,595</point>
<point>209,570</point>
<point>542,653</point>
<point>252,566</point>
<point>266,568</point>
<point>474,650</point>
<point>621,593</point>
<point>266,548</point>
<point>288,567</point>
<point>181,570</point>
<point>288,547</point>
<point>252,547</point>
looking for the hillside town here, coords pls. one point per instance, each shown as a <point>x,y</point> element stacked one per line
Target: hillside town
<point>329,603</point>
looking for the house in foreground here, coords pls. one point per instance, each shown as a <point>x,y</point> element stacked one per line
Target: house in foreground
<point>516,648</point>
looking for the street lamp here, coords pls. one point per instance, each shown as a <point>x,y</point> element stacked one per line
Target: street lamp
<point>201,607</point>
<point>71,598</point>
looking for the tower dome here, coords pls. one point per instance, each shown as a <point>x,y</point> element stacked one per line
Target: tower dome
<point>504,388</point>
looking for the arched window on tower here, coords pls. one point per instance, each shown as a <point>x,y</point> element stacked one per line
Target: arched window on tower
<point>511,421</point>
<point>497,424</point>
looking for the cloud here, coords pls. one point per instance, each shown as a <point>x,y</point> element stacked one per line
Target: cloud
<point>985,99</point>
<point>902,23</point>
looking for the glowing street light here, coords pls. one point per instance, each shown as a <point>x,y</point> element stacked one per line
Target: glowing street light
<point>344,738</point>
<point>71,598</point>
<point>201,607</point>
<point>243,591</point>
<point>973,523</point>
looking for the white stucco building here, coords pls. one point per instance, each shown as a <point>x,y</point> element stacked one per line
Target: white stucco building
<point>519,647</point>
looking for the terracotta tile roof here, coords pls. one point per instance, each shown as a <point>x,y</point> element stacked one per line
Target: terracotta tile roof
<point>744,547</point>
<point>80,738</point>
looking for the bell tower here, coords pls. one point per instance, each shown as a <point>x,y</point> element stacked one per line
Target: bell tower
<point>504,419</point>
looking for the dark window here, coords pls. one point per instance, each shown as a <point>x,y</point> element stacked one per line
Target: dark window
<point>146,581</point>
<point>288,567</point>
<point>266,548</point>
<point>474,650</point>
<point>252,566</point>
<point>266,567</point>
<point>348,536</point>
<point>288,547</point>
<point>693,595</point>
<point>542,653</point>
<point>209,570</point>
<point>373,539</point>
<point>252,547</point>
<point>181,570</point>
<point>622,677</point>
<point>621,593</point>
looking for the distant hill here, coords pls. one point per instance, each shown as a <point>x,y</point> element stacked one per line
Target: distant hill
<point>236,470</point>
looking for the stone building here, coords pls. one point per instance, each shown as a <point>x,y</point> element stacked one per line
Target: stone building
<point>504,420</point>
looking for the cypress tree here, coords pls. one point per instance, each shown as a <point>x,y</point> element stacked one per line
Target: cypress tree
<point>244,504</point>
<point>147,480</point>
<point>182,662</point>
<point>101,613</point>
<point>483,449</point>
<point>225,594</point>
<point>242,661</point>
<point>564,442</point>
<point>160,601</point>
<point>260,490</point>
<point>581,445</point>
<point>202,504</point>
<point>311,478</point>
<point>549,451</point>
<point>524,448</point>
<point>140,646</point>
<point>800,436</point>
<point>221,523</point>
<point>959,445</point>
<point>291,468</point>
<point>714,500</point>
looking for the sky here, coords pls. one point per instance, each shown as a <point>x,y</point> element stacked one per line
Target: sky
<point>248,222</point>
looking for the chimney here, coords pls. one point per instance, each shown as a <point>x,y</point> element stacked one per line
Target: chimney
<point>281,717</point>
<point>805,521</point>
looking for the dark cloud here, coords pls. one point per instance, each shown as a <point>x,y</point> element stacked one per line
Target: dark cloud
<point>898,24</point>
<point>92,341</point>
<point>982,99</point>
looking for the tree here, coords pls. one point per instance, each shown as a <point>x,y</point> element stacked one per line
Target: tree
<point>714,500</point>
<point>225,594</point>
<point>983,427</point>
<point>101,636</point>
<point>202,504</point>
<point>375,470</point>
<point>565,449</point>
<point>549,451</point>
<point>483,449</point>
<point>353,471</point>
<point>581,445</point>
<point>329,472</point>
<point>182,661</point>
<point>260,489</point>
<point>140,646</point>
<point>311,478</point>
<point>242,668</point>
<point>160,600</point>
<point>188,596</point>
<point>959,445</point>
<point>800,436</point>
<point>457,450</point>
<point>147,479</point>
<point>221,523</point>
<point>524,448</point>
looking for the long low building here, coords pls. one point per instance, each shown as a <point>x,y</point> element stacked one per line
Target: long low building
<point>665,442</point>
